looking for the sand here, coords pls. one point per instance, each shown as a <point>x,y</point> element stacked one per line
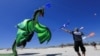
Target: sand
<point>56,51</point>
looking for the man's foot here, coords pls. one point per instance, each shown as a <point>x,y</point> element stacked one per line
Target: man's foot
<point>79,54</point>
<point>83,54</point>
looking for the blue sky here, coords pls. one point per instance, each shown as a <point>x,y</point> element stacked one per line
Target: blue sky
<point>78,12</point>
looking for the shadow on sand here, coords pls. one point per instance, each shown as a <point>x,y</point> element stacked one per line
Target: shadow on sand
<point>10,54</point>
<point>54,54</point>
<point>97,49</point>
<point>29,54</point>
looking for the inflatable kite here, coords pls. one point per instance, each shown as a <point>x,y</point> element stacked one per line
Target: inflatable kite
<point>26,30</point>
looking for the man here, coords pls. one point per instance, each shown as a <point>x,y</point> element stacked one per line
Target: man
<point>78,42</point>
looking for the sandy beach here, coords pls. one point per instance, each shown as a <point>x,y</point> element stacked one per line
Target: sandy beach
<point>56,51</point>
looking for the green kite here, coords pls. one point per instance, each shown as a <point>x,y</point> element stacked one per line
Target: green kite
<point>27,28</point>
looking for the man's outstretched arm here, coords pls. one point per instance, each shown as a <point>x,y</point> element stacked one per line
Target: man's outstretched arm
<point>66,30</point>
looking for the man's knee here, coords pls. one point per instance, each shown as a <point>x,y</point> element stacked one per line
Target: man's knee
<point>83,49</point>
<point>76,49</point>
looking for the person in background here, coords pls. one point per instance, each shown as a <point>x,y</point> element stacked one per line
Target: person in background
<point>94,45</point>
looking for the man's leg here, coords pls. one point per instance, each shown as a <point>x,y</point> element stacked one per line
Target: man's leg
<point>78,53</point>
<point>76,48</point>
<point>82,48</point>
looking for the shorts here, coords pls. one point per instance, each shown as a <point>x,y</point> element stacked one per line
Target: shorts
<point>78,44</point>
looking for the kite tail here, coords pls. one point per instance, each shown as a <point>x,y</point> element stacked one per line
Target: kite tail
<point>14,48</point>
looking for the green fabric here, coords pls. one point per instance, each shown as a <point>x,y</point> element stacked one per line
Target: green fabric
<point>26,27</point>
<point>26,31</point>
<point>43,32</point>
<point>23,24</point>
<point>23,33</point>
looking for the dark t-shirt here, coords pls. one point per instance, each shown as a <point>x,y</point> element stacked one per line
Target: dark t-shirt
<point>77,36</point>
